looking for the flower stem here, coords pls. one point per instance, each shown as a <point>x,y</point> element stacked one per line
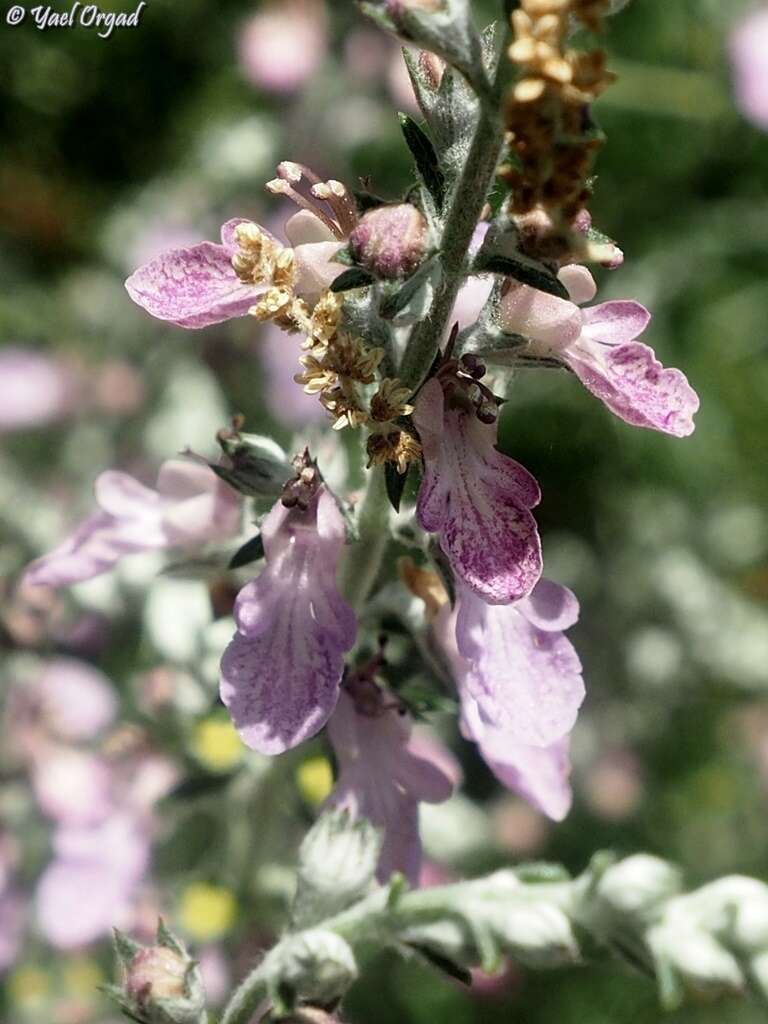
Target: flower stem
<point>469,198</point>
<point>363,558</point>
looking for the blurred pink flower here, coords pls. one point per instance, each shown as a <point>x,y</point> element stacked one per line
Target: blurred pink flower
<point>286,400</point>
<point>76,700</point>
<point>90,885</point>
<point>749,61</point>
<point>74,787</point>
<point>12,905</point>
<point>35,389</point>
<point>190,507</point>
<point>282,46</point>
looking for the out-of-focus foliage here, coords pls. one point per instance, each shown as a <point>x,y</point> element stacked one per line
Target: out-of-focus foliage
<point>113,149</point>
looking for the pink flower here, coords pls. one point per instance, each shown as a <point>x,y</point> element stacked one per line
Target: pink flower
<point>91,884</point>
<point>476,499</point>
<point>522,672</point>
<point>35,389</point>
<point>279,358</point>
<point>520,686</point>
<point>74,787</point>
<point>749,60</point>
<point>76,700</point>
<point>283,46</point>
<point>13,905</point>
<point>280,674</point>
<point>200,285</point>
<point>598,344</point>
<point>190,506</point>
<point>383,775</point>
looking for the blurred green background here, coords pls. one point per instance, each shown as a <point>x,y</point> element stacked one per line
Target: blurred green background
<point>113,146</point>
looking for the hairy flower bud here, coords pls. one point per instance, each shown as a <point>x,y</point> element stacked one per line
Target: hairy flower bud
<point>162,983</point>
<point>637,885</point>
<point>315,965</point>
<point>156,973</point>
<point>390,241</point>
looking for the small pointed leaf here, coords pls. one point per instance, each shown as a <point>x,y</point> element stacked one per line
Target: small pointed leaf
<point>355,277</point>
<point>251,551</point>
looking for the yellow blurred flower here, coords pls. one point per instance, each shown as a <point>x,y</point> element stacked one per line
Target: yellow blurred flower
<point>314,777</point>
<point>29,987</point>
<point>207,911</point>
<point>216,745</point>
<point>82,977</point>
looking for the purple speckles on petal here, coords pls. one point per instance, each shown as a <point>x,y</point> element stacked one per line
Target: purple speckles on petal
<point>635,386</point>
<point>280,674</point>
<point>477,500</point>
<point>193,287</point>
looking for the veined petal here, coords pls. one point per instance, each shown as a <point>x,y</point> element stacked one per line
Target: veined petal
<point>193,287</point>
<point>280,674</point>
<point>614,323</point>
<point>523,679</point>
<point>539,774</point>
<point>94,548</point>
<point>552,322</point>
<point>477,500</point>
<point>383,777</point>
<point>635,386</point>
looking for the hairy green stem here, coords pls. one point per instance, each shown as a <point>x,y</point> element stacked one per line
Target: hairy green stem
<point>362,559</point>
<point>469,197</point>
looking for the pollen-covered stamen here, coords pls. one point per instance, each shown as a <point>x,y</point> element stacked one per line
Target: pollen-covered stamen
<point>396,446</point>
<point>460,381</point>
<point>278,186</point>
<point>338,198</point>
<point>257,256</point>
<point>293,172</point>
<point>390,401</point>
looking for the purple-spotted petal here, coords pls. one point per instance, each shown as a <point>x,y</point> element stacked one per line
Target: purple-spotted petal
<point>635,386</point>
<point>614,323</point>
<point>280,674</point>
<point>524,680</point>
<point>193,287</point>
<point>383,775</point>
<point>477,500</point>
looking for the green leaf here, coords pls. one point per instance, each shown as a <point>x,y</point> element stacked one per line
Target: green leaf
<point>395,484</point>
<point>526,271</point>
<point>425,156</point>
<point>398,300</point>
<point>251,551</point>
<point>355,277</point>
<point>125,947</point>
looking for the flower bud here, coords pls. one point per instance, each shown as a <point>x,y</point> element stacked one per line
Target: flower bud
<point>156,973</point>
<point>337,864</point>
<point>637,885</point>
<point>162,984</point>
<point>316,965</point>
<point>390,241</point>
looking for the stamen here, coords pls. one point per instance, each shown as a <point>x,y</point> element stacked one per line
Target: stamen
<point>338,198</point>
<point>279,186</point>
<point>294,172</point>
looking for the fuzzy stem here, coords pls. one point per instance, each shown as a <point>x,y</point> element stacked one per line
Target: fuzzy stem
<point>363,558</point>
<point>469,198</point>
